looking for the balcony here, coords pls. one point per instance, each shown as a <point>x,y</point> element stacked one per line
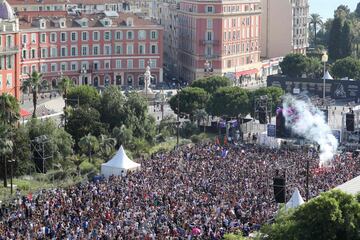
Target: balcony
<point>210,56</point>
<point>9,50</point>
<point>213,42</point>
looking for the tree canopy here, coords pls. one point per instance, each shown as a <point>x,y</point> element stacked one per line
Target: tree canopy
<point>229,102</point>
<point>83,95</point>
<point>294,65</point>
<point>190,99</point>
<point>332,215</point>
<point>211,84</point>
<point>346,67</point>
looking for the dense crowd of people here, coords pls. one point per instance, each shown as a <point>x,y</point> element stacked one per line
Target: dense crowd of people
<point>198,192</point>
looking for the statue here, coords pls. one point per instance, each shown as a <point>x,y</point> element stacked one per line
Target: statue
<point>147,80</point>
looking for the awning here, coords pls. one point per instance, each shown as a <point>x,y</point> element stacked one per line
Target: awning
<point>247,72</point>
<point>24,113</point>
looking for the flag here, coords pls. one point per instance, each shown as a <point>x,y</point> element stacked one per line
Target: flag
<point>224,153</point>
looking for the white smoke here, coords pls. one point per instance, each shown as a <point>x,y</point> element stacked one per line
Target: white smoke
<point>308,121</point>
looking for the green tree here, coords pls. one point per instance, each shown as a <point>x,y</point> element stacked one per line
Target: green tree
<point>229,102</point>
<point>106,145</point>
<point>335,39</point>
<point>60,143</point>
<point>314,67</point>
<point>65,85</point>
<point>112,107</point>
<point>342,11</point>
<point>346,67</point>
<point>357,10</point>
<point>201,115</point>
<point>190,99</point>
<point>22,152</point>
<point>346,40</point>
<point>273,93</point>
<point>85,120</point>
<point>89,145</point>
<point>294,65</point>
<point>77,160</point>
<point>35,84</point>
<point>123,135</point>
<point>167,126</point>
<point>9,109</point>
<point>315,21</point>
<point>332,215</point>
<point>83,95</point>
<point>6,148</point>
<point>211,84</point>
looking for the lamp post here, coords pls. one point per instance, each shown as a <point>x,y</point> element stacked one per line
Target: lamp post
<point>324,60</point>
<point>12,161</point>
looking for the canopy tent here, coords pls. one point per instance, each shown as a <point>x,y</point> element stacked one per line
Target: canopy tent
<point>119,165</point>
<point>295,200</point>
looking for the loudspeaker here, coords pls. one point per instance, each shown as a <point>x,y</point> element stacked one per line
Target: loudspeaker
<point>279,189</point>
<point>281,130</point>
<point>350,122</point>
<point>262,117</point>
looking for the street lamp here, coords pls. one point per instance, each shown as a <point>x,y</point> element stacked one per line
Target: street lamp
<point>12,161</point>
<point>324,60</point>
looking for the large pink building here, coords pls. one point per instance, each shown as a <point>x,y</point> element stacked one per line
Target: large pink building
<point>221,35</point>
<point>96,49</point>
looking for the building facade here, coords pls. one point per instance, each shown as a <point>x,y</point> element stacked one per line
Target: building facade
<point>219,36</point>
<point>94,49</point>
<point>9,51</point>
<point>284,27</point>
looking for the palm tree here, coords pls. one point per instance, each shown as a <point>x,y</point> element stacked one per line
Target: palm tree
<point>64,86</point>
<point>200,115</point>
<point>89,144</point>
<point>36,84</point>
<point>9,109</point>
<point>6,147</point>
<point>77,160</point>
<point>315,20</point>
<point>122,135</point>
<point>107,145</point>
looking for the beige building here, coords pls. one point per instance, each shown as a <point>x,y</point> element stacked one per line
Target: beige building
<point>284,27</point>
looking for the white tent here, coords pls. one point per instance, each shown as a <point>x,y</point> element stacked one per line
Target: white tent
<point>295,200</point>
<point>119,165</point>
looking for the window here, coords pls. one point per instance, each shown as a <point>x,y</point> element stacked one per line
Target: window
<point>63,67</point>
<point>96,65</point>
<point>107,50</point>
<point>53,37</point>
<point>43,38</point>
<point>63,52</point>
<point>85,36</point>
<point>74,51</point>
<point>118,64</point>
<point>24,54</point>
<point>209,9</point>
<point>2,62</point>
<point>96,50</point>
<point>107,36</point>
<point>96,36</point>
<point>141,63</point>
<point>107,64</point>
<point>209,24</point>
<point>53,67</point>
<point>74,36</point>
<point>44,53</point>
<point>153,63</point>
<point>129,49</point>
<point>63,37</point>
<point>25,70</point>
<point>33,38</point>
<point>118,35</point>
<point>33,53</point>
<point>129,35</point>
<point>43,68</point>
<point>84,50</point>
<point>130,64</point>
<point>154,35</point>
<point>53,52</point>
<point>74,66</point>
<point>209,35</point>
<point>153,49</point>
<point>118,49</point>
<point>141,48</point>
<point>24,38</point>
<point>33,68</point>
<point>142,35</point>
<point>8,80</point>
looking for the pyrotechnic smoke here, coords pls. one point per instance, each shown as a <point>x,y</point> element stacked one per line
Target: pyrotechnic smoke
<point>308,121</point>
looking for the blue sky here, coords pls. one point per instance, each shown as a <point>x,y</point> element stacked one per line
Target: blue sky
<point>326,7</point>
